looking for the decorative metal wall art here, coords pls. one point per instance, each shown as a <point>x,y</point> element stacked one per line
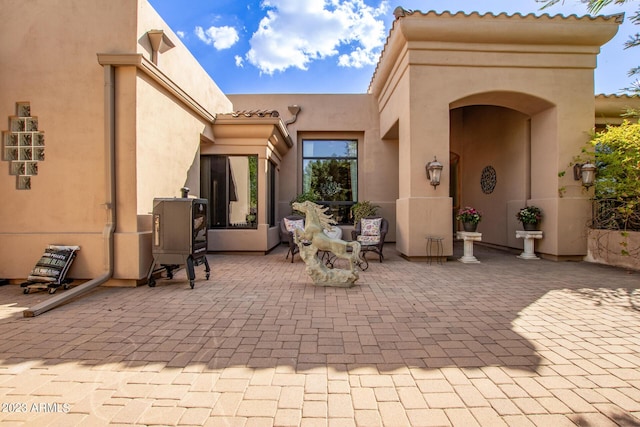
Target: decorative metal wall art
<point>488,180</point>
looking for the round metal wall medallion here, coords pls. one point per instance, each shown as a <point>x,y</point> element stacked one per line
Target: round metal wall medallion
<point>488,180</point>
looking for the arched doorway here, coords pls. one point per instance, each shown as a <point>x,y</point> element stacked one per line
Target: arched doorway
<point>494,140</point>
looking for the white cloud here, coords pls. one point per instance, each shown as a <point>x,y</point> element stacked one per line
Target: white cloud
<point>294,33</point>
<point>181,34</point>
<point>239,61</point>
<point>218,37</point>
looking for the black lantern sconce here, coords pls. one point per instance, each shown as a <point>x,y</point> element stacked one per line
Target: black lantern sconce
<point>434,170</point>
<point>585,172</point>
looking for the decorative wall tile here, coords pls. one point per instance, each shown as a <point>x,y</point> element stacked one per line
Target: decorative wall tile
<point>23,145</point>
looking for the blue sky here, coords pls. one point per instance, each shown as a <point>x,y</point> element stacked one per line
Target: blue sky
<point>332,46</point>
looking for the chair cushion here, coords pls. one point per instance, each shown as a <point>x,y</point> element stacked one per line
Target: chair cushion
<point>371,226</point>
<point>292,224</point>
<point>333,233</point>
<point>368,240</point>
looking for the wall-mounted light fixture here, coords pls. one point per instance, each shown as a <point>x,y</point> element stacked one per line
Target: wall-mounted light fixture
<point>434,169</point>
<point>585,172</point>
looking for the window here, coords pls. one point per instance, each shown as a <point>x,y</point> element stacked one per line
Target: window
<point>330,169</point>
<point>230,183</point>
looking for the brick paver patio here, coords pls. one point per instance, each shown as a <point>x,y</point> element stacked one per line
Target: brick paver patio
<point>504,343</point>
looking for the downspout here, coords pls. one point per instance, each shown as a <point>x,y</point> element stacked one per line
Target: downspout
<point>295,110</point>
<point>110,204</point>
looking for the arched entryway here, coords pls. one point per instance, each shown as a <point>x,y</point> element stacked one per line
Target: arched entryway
<point>441,66</point>
<point>500,140</point>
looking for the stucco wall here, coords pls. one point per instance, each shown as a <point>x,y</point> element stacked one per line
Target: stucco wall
<point>167,133</point>
<point>162,111</point>
<point>334,116</point>
<point>50,52</point>
<point>179,64</point>
<point>611,108</point>
<point>606,246</point>
<point>255,136</point>
<point>541,67</point>
<point>496,137</point>
<point>394,106</point>
<point>168,140</point>
<point>49,59</point>
<point>552,145</point>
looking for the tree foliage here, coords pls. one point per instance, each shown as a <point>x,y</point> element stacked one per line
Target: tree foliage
<point>616,153</point>
<point>330,179</point>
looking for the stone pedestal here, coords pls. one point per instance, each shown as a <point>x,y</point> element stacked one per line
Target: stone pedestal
<point>529,242</point>
<point>468,238</point>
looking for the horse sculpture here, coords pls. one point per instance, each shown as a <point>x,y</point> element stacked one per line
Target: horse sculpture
<point>316,220</point>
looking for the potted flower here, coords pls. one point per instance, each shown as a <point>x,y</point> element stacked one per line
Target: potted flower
<point>530,217</point>
<point>470,218</point>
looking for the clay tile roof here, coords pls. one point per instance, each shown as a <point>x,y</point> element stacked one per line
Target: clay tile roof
<point>255,113</point>
<point>617,96</point>
<point>400,13</point>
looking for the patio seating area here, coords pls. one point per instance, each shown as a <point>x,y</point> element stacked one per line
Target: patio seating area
<point>508,342</point>
<point>372,236</point>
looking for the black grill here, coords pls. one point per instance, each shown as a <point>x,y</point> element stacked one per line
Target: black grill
<point>179,236</point>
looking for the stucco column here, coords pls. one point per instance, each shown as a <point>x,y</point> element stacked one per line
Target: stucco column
<point>132,250</point>
<point>422,209</point>
<point>557,135</point>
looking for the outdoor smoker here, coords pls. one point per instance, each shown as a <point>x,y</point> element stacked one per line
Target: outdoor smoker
<point>179,236</point>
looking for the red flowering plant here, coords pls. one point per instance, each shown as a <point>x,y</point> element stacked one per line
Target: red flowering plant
<point>469,215</point>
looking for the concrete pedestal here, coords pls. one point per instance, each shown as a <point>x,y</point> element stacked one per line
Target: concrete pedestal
<point>469,238</point>
<point>529,243</point>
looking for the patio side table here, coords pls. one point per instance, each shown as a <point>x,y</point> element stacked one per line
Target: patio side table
<point>468,238</point>
<point>439,251</point>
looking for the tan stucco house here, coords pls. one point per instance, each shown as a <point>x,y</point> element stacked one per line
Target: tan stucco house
<point>111,111</point>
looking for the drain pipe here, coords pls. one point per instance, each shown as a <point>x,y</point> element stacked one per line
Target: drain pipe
<point>110,205</point>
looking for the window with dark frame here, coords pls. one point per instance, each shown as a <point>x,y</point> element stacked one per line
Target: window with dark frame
<point>230,183</point>
<point>330,170</point>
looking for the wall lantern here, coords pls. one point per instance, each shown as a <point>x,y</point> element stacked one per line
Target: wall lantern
<point>434,169</point>
<point>585,172</point>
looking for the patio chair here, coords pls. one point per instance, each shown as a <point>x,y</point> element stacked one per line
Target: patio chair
<point>287,225</point>
<point>371,231</point>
